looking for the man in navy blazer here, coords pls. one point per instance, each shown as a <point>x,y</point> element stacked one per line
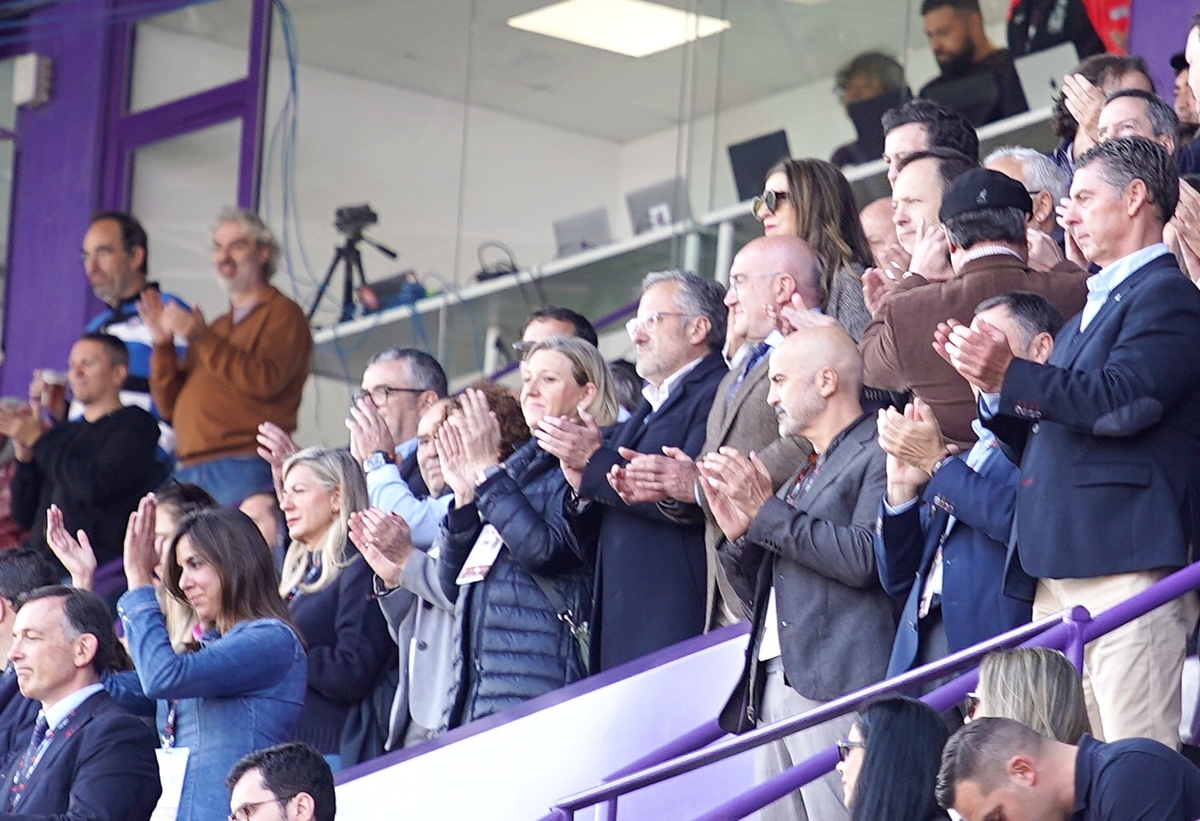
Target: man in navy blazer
<point>87,758</point>
<point>651,570</point>
<point>1108,503</point>
<point>944,523</point>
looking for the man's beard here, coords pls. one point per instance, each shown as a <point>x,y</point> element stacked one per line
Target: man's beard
<point>959,65</point>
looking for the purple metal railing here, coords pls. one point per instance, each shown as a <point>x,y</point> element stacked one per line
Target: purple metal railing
<point>1068,631</point>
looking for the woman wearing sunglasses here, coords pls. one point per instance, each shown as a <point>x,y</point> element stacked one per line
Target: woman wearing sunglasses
<point>811,199</point>
<point>889,762</point>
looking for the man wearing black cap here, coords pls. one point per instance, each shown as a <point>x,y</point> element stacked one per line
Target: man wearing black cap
<point>983,214</point>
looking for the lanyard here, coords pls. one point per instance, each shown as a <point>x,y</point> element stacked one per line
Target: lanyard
<point>168,733</point>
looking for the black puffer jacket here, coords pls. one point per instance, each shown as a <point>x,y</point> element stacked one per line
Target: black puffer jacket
<point>510,644</point>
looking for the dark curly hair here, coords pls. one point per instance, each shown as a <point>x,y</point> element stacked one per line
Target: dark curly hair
<point>513,430</point>
<point>1098,69</point>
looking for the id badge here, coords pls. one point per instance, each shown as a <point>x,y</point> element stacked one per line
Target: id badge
<point>482,556</point>
<point>172,767</point>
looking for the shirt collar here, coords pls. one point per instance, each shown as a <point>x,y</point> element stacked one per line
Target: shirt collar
<point>980,251</point>
<point>64,706</point>
<point>657,395</point>
<point>407,448</point>
<point>1101,284</point>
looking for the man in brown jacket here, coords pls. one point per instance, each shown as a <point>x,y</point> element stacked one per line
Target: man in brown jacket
<point>984,216</point>
<point>249,366</point>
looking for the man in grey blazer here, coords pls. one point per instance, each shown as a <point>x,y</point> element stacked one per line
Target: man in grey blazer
<point>822,625</point>
<point>768,275</point>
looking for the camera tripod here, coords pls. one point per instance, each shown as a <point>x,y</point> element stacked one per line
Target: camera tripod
<point>350,258</point>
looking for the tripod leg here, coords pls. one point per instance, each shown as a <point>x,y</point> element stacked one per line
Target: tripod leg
<point>338,255</point>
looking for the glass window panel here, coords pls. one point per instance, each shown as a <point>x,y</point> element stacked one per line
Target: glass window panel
<point>179,187</point>
<point>179,54</point>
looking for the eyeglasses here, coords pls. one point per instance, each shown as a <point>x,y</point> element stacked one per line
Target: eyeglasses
<point>737,282</point>
<point>381,393</point>
<point>648,322</point>
<point>846,745</point>
<point>522,347</point>
<point>767,203</point>
<point>247,811</point>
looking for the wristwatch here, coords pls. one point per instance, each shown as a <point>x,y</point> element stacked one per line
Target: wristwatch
<point>378,459</point>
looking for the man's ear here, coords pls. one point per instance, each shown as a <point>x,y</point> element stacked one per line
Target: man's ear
<point>698,330</point>
<point>1041,347</point>
<point>85,650</point>
<point>304,806</point>
<point>1043,208</point>
<point>1138,197</point>
<point>1022,771</point>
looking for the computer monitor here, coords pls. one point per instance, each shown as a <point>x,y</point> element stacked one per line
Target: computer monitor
<point>752,159</point>
<point>581,232</point>
<point>658,205</point>
<point>1042,72</point>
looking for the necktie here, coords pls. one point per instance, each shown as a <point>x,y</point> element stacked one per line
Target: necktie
<point>757,351</point>
<point>27,762</point>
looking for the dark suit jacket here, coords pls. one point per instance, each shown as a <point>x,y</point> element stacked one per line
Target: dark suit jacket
<point>835,622</point>
<point>1110,469</point>
<point>974,606</point>
<point>17,717</point>
<point>410,472</point>
<point>101,767</point>
<point>747,423</point>
<point>897,350</point>
<point>650,570</point>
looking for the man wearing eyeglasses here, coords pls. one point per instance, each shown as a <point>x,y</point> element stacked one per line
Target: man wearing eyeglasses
<point>246,367</point>
<point>768,276</point>
<point>398,386</point>
<point>650,570</point>
<point>290,782</point>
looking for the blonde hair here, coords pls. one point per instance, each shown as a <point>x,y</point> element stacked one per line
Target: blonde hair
<point>587,366</point>
<point>334,469</point>
<point>1037,687</point>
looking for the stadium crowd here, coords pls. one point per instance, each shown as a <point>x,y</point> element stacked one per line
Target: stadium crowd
<point>904,427</point>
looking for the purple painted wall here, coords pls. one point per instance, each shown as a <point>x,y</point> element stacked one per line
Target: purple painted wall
<point>55,189</point>
<point>1158,29</point>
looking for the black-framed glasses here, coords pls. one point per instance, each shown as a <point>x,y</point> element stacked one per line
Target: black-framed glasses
<point>246,811</point>
<point>380,394</point>
<point>767,203</point>
<point>648,322</point>
<point>846,745</point>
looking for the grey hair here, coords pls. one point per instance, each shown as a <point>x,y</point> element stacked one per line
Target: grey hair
<point>1125,159</point>
<point>1041,172</point>
<point>1164,122</point>
<point>425,372</point>
<point>986,225</point>
<point>696,296</point>
<point>253,225</point>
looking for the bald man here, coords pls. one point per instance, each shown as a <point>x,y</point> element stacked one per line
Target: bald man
<point>822,625</point>
<point>770,277</point>
<point>876,220</point>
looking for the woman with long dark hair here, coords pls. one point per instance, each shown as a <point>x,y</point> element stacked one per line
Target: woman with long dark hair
<point>889,762</point>
<point>812,199</point>
<point>237,688</point>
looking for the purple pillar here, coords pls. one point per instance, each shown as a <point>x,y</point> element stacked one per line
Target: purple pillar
<point>55,190</point>
<point>1158,29</point>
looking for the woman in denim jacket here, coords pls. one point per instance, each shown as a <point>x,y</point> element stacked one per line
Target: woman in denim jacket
<point>327,586</point>
<point>241,686</point>
<point>513,640</point>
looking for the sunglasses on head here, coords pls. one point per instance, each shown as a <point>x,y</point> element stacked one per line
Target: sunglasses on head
<point>767,203</point>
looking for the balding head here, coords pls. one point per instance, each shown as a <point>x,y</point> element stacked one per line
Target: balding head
<point>764,276</point>
<point>816,381</point>
<point>877,224</point>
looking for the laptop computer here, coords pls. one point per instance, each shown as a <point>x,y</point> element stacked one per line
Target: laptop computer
<point>1041,73</point>
<point>658,205</point>
<point>582,231</point>
<point>752,159</point>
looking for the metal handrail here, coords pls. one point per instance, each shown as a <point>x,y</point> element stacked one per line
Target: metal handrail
<point>1068,631</point>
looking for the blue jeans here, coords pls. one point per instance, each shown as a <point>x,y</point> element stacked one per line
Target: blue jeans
<point>230,479</point>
